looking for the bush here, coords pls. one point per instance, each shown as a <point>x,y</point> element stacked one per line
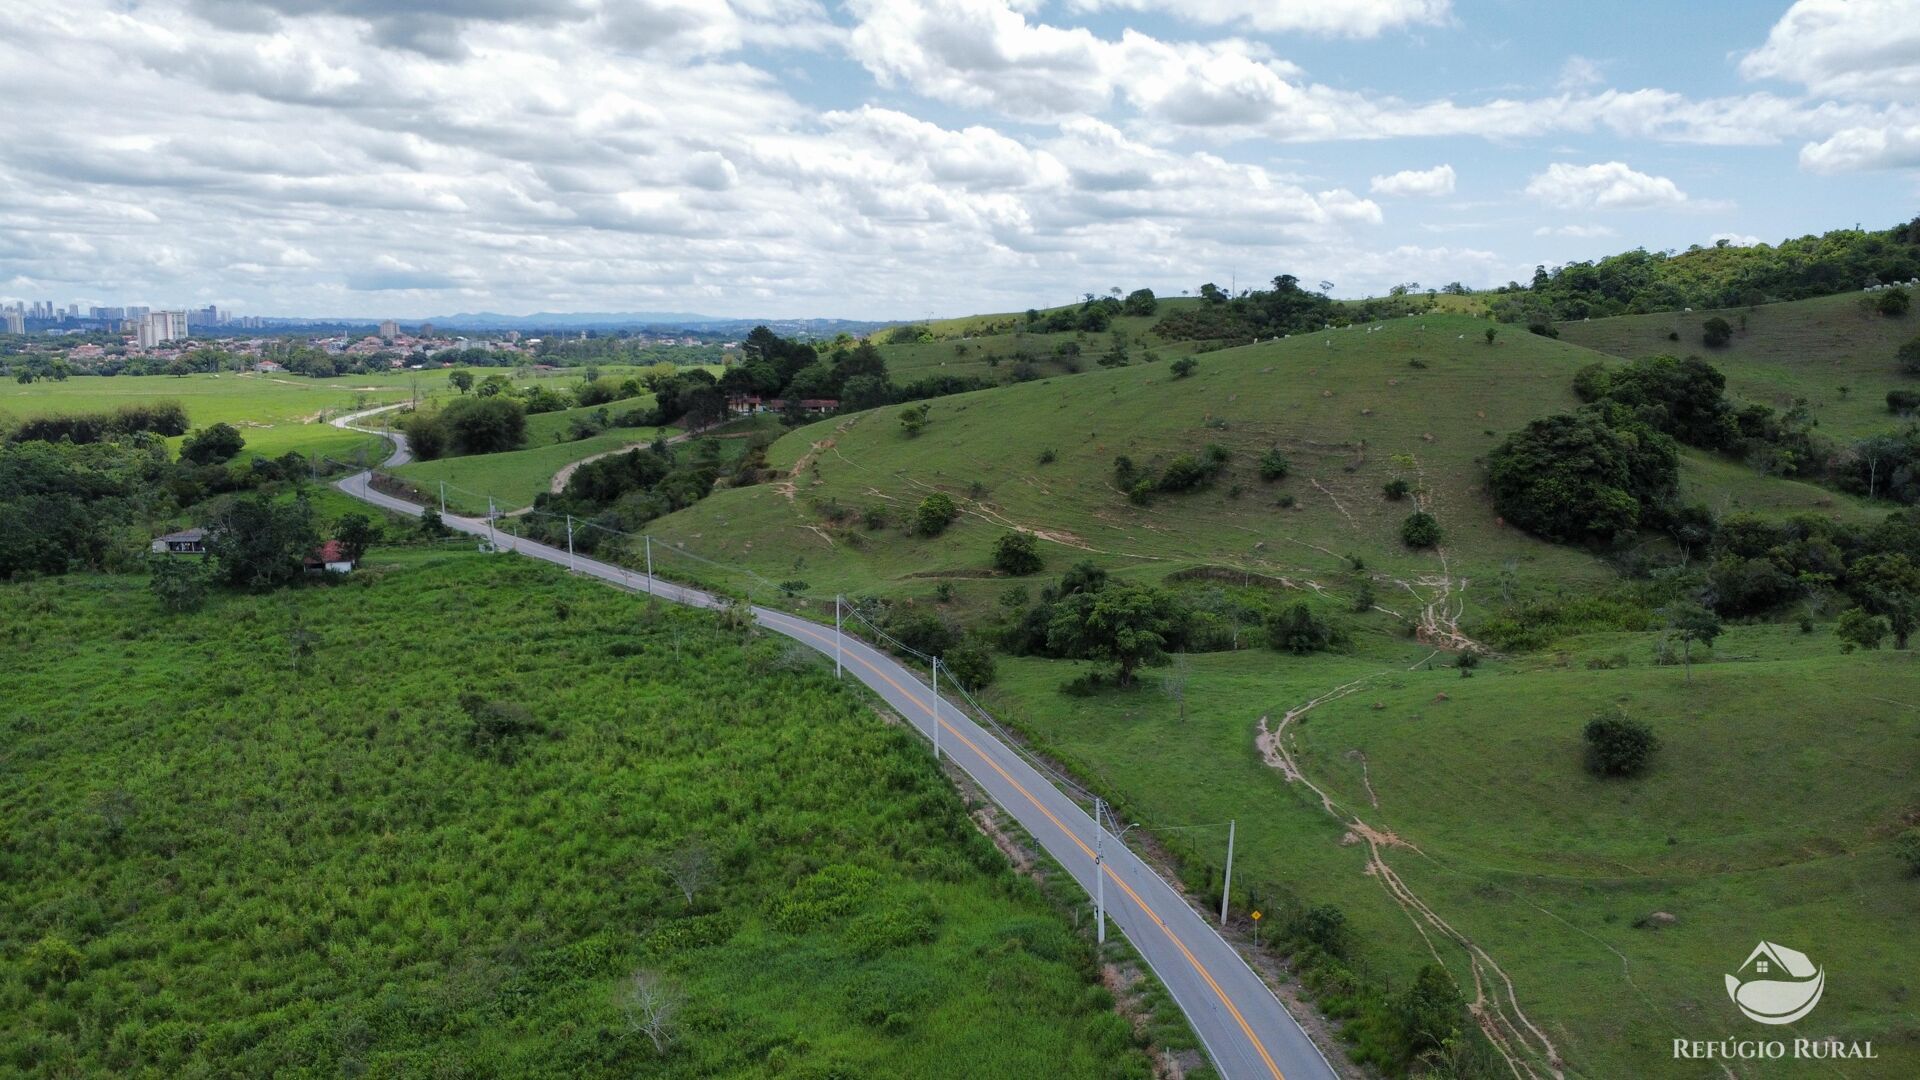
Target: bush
<point>1591,383</point>
<point>934,514</point>
<point>1016,554</point>
<point>1297,630</point>
<point>1274,465</point>
<point>1903,401</point>
<point>1573,477</point>
<point>1396,489</point>
<point>1420,530</point>
<point>970,664</point>
<point>1909,356</point>
<point>1857,629</point>
<point>1906,848</point>
<point>1894,302</point>
<point>1184,367</point>
<point>213,445</point>
<point>1618,745</point>
<point>1715,332</point>
<point>1324,927</point>
<point>495,726</point>
<point>178,582</point>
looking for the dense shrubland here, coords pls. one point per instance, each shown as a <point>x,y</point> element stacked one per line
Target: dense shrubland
<point>481,865</point>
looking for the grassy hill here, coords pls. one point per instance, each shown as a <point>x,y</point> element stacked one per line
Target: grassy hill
<point>1826,350</point>
<point>990,347</point>
<point>1419,399</point>
<point>236,842</point>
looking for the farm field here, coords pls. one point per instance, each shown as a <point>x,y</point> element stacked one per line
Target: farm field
<point>1494,825</point>
<point>275,414</point>
<point>1825,350</point>
<point>229,855</point>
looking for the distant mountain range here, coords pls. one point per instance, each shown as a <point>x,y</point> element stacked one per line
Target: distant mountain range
<point>616,320</point>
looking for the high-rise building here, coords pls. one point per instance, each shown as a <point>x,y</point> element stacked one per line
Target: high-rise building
<point>16,321</point>
<point>389,329</point>
<point>135,314</point>
<point>161,326</point>
<point>206,316</point>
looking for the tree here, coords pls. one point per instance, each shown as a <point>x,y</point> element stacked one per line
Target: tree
<point>1859,630</point>
<point>651,1008</point>
<point>934,514</point>
<point>485,425</point>
<point>1016,554</point>
<point>1909,356</point>
<point>1432,1013</point>
<point>1184,367</point>
<point>213,445</point>
<point>1691,622</point>
<point>913,418</point>
<point>356,533</point>
<point>690,867</point>
<point>1140,302</point>
<point>1396,489</point>
<point>259,544</point>
<point>1324,927</point>
<point>1274,465</point>
<point>180,584</point>
<point>431,525</point>
<point>1125,625</point>
<point>1573,476</point>
<point>1894,302</point>
<point>1420,530</point>
<point>461,381</point>
<point>1716,332</point>
<point>1491,334</point>
<point>1618,745</point>
<point>1297,630</point>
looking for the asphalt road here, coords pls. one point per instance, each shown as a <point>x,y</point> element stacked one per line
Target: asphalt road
<point>1247,1031</point>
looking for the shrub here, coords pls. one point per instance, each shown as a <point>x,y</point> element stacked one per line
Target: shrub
<point>1903,401</point>
<point>1906,848</point>
<point>1618,745</point>
<point>1859,630</point>
<point>1048,457</point>
<point>1016,554</point>
<point>1396,489</point>
<point>495,726</point>
<point>1894,302</point>
<point>180,584</point>
<point>934,514</point>
<point>1591,383</point>
<point>970,664</point>
<point>431,525</point>
<point>1324,927</point>
<point>1715,332</point>
<point>1297,630</point>
<point>1184,367</point>
<point>1909,356</point>
<point>1420,530</point>
<point>1274,465</point>
<point>212,445</point>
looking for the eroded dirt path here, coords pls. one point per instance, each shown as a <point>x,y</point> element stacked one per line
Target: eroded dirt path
<point>1495,1005</point>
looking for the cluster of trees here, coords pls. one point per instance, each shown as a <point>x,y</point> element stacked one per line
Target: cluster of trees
<point>1722,276</point>
<point>467,425</point>
<point>164,418</point>
<point>1758,567</point>
<point>1186,472</point>
<point>1095,313</point>
<point>1284,309</point>
<point>622,492</point>
<point>1088,616</point>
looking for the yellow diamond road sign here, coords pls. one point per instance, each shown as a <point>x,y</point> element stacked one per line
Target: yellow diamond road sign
<point>1256,916</point>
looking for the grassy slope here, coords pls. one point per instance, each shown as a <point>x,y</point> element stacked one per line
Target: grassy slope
<point>272,873</point>
<point>275,414</point>
<point>1340,412</point>
<point>1807,348</point>
<point>1768,814</point>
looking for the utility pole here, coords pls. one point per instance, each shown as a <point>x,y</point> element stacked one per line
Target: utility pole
<point>936,708</point>
<point>570,563</point>
<point>1099,875</point>
<point>490,538</point>
<point>443,498</point>
<point>649,539</point>
<point>1227,889</point>
<point>836,635</point>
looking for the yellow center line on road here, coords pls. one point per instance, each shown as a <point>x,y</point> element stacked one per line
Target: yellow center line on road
<point>804,627</point>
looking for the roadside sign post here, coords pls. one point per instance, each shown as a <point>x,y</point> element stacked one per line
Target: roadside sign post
<point>1256,929</point>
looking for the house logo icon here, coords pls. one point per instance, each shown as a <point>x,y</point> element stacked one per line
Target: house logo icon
<point>1776,985</point>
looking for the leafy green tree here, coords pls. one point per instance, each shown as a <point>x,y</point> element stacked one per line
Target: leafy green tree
<point>1140,302</point>
<point>1909,357</point>
<point>1618,745</point>
<point>485,425</point>
<point>1016,554</point>
<point>1125,625</point>
<point>913,418</point>
<point>1396,489</point>
<point>259,544</point>
<point>1432,1012</point>
<point>1573,477</point>
<point>1324,927</point>
<point>179,583</point>
<point>212,445</point>
<point>934,514</point>
<point>1420,530</point>
<point>356,533</point>
<point>431,525</point>
<point>461,381</point>
<point>1716,332</point>
<point>1296,629</point>
<point>1184,367</point>
<point>1491,334</point>
<point>1274,465</point>
<point>1691,622</point>
<point>1857,629</point>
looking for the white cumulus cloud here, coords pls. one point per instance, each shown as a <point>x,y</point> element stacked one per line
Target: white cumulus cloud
<point>1431,183</point>
<point>1845,48</point>
<point>1607,186</point>
<point>1349,18</point>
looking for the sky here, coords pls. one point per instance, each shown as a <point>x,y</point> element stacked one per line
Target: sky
<point>895,159</point>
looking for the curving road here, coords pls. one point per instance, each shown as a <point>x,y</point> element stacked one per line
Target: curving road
<point>1246,1030</point>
